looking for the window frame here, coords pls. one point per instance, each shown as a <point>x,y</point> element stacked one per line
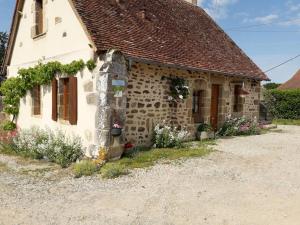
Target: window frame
<point>39,18</point>
<point>237,101</point>
<point>197,101</point>
<point>36,100</point>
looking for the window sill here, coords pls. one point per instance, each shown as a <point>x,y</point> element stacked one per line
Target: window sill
<point>64,122</point>
<point>37,116</point>
<point>39,36</point>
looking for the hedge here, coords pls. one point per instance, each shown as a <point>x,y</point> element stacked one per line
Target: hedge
<point>283,104</point>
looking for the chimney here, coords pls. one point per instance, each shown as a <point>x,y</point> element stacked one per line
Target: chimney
<point>192,1</point>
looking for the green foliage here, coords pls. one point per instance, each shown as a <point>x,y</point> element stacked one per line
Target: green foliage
<point>270,86</point>
<point>13,89</point>
<point>286,122</point>
<point>179,89</point>
<point>143,158</point>
<point>204,127</point>
<point>3,43</point>
<point>111,171</point>
<point>85,168</point>
<point>283,104</point>
<point>238,127</point>
<point>55,146</point>
<point>73,68</point>
<point>169,137</point>
<point>9,126</point>
<point>91,65</point>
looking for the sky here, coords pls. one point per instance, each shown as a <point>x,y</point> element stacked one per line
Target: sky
<point>268,31</point>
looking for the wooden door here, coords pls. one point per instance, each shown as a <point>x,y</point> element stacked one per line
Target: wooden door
<point>214,112</point>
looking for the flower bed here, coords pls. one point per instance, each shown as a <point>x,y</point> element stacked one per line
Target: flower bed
<point>238,127</point>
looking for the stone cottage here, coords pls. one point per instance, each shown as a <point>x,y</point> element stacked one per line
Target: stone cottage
<point>139,47</point>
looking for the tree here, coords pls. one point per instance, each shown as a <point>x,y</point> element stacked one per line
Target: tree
<point>270,86</point>
<point>3,44</point>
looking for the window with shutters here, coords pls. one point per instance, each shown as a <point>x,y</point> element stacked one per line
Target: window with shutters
<point>36,100</point>
<point>39,17</point>
<point>198,106</point>
<point>238,101</point>
<point>64,99</point>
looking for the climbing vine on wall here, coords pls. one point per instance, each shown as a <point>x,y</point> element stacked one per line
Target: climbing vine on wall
<point>179,89</point>
<point>13,89</point>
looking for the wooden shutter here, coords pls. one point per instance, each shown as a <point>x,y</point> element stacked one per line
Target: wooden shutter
<point>54,99</point>
<point>73,101</point>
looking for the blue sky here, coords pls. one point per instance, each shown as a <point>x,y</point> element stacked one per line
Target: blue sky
<point>267,30</point>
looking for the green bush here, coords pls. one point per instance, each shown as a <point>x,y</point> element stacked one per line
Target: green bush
<point>204,127</point>
<point>168,137</point>
<point>238,127</point>
<point>9,126</point>
<point>283,104</point>
<point>111,171</point>
<point>52,145</point>
<point>85,168</point>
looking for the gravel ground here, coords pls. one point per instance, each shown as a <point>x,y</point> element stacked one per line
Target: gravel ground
<point>248,181</point>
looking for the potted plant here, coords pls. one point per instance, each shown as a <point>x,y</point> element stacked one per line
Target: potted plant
<point>116,130</point>
<point>204,131</point>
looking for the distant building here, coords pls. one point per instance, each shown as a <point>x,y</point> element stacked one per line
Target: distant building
<point>293,83</point>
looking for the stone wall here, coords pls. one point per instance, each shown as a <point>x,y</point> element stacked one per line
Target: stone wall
<point>148,105</point>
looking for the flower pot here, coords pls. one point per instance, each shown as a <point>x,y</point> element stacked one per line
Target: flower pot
<point>204,135</point>
<point>115,132</point>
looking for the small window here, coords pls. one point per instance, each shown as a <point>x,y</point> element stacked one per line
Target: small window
<point>39,17</point>
<point>197,106</point>
<point>36,100</point>
<point>238,105</point>
<point>63,98</point>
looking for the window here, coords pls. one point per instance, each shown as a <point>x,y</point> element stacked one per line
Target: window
<point>39,17</point>
<point>197,106</point>
<point>238,105</point>
<point>64,99</point>
<point>36,100</point>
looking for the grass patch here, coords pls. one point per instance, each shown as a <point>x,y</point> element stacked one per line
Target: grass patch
<point>85,168</point>
<point>147,158</point>
<point>286,122</point>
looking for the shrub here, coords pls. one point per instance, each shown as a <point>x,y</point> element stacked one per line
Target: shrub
<point>270,86</point>
<point>283,104</point>
<point>239,126</point>
<point>169,137</point>
<point>54,146</point>
<point>9,126</point>
<point>111,171</point>
<point>204,127</point>
<point>85,168</point>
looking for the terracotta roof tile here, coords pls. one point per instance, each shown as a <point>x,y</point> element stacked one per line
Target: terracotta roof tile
<point>170,32</point>
<point>293,83</point>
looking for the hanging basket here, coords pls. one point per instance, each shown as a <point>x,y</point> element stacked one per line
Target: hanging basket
<point>116,132</point>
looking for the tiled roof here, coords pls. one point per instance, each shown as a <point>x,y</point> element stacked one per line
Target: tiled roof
<point>293,83</point>
<point>170,32</point>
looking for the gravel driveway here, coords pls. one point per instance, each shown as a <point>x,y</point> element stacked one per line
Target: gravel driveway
<point>248,181</point>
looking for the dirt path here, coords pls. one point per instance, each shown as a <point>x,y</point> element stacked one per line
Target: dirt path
<point>250,181</point>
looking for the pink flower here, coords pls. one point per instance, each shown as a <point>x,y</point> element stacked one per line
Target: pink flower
<point>117,125</point>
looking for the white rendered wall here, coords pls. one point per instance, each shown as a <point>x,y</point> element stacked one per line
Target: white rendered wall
<point>50,47</point>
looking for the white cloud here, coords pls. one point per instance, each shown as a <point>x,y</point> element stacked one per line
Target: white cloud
<point>218,9</point>
<point>266,19</point>
<point>293,7</point>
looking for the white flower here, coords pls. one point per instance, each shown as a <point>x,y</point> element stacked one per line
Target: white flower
<point>180,97</point>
